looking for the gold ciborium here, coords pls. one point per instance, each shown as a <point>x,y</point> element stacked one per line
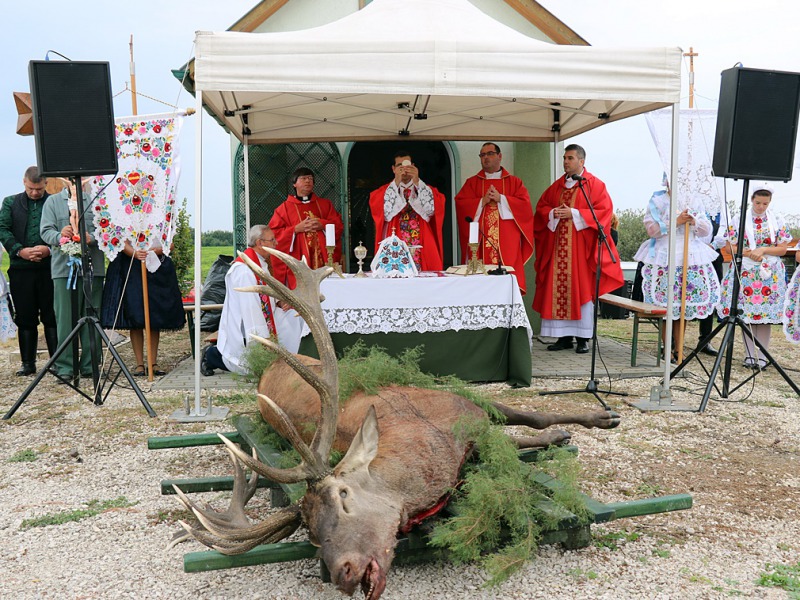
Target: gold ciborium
<point>361,253</point>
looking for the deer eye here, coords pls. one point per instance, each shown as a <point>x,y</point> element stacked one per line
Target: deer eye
<point>343,493</point>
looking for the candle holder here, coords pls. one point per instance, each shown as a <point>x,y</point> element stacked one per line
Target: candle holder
<point>337,268</point>
<point>475,265</point>
<point>361,253</point>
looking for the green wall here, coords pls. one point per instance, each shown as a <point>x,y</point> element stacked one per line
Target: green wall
<point>532,164</point>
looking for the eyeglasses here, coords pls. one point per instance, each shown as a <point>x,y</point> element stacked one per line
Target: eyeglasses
<point>490,153</point>
<point>272,241</point>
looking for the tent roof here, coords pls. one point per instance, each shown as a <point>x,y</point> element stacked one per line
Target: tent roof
<point>455,74</point>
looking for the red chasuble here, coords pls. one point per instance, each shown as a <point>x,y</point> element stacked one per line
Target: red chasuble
<point>428,234</point>
<point>311,245</point>
<point>566,259</point>
<point>513,237</point>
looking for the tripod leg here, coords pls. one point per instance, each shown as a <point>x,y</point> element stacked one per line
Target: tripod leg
<point>123,368</point>
<point>726,349</point>
<point>40,375</point>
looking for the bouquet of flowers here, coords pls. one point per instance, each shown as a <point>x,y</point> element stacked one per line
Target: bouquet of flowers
<point>70,246</point>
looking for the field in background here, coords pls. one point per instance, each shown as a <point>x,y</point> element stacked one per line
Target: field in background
<point>210,254</point>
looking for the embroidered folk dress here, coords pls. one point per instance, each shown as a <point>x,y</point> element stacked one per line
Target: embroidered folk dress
<point>763,284</point>
<point>702,285</point>
<point>791,310</point>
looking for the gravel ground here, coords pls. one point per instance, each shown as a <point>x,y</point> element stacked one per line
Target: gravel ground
<point>739,460</point>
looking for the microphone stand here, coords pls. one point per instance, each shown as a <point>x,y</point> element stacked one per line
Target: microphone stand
<point>602,241</point>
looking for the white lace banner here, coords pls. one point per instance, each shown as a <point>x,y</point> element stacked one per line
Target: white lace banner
<point>422,304</point>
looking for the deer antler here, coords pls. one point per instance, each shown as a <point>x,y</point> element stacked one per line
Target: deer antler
<point>231,532</point>
<point>305,299</point>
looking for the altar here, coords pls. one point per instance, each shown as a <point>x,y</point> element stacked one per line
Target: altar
<point>472,327</point>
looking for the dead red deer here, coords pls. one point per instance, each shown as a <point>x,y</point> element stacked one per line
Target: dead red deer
<point>402,455</point>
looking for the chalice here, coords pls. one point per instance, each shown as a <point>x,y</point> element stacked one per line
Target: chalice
<point>361,253</point>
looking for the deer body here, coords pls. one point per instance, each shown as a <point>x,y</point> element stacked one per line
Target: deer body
<point>402,452</point>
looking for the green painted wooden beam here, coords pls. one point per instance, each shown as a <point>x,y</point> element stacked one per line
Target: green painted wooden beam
<point>211,560</point>
<point>205,484</point>
<point>187,441</point>
<point>650,506</point>
<point>266,454</point>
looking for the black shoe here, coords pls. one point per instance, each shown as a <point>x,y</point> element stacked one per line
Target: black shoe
<point>205,370</point>
<point>563,343</point>
<point>582,347</point>
<point>27,369</point>
<point>709,349</point>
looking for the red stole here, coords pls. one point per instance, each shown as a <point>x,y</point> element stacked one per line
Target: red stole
<point>266,307</point>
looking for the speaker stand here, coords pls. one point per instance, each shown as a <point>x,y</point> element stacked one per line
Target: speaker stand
<point>91,321</point>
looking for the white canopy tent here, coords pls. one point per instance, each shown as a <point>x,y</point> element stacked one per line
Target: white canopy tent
<point>456,74</point>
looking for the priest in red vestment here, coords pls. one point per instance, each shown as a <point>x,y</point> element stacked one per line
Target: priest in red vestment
<point>414,210</point>
<point>500,204</point>
<point>299,226</point>
<point>566,253</point>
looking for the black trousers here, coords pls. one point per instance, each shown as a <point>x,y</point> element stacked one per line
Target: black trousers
<point>32,293</point>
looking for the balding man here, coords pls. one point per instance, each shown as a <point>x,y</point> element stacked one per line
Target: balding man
<point>246,313</point>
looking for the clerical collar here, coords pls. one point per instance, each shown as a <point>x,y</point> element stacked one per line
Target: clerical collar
<point>303,199</point>
<point>495,175</point>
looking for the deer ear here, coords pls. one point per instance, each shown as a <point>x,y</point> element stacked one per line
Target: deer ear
<point>364,446</point>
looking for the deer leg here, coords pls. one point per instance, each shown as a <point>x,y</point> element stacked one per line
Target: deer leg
<point>554,437</point>
<point>603,419</point>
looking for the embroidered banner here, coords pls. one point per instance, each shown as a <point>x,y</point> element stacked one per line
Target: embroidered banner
<point>138,203</point>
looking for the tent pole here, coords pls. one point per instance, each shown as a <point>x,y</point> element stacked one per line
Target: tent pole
<point>661,395</point>
<point>247,224</point>
<point>198,223</point>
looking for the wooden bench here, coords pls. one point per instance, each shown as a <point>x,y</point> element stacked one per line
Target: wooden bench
<point>642,311</point>
<point>189,310</point>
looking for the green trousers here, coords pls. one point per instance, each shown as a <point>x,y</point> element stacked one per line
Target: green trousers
<point>63,308</point>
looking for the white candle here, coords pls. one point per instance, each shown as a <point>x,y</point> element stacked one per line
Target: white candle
<point>473,233</point>
<point>330,234</point>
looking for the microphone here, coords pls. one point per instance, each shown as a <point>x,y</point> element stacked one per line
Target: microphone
<point>577,177</point>
<point>499,270</point>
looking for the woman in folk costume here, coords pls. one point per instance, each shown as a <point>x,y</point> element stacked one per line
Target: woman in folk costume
<point>123,300</point>
<point>763,279</point>
<point>702,285</point>
<point>791,310</point>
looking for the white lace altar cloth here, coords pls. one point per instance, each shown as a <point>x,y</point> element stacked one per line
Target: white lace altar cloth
<point>422,304</point>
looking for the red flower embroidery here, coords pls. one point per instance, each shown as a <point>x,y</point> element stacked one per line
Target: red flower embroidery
<point>114,241</point>
<point>765,291</point>
<point>145,147</point>
<point>756,317</point>
<point>103,222</point>
<point>141,237</point>
<point>136,200</point>
<point>726,311</point>
<point>128,131</point>
<point>167,147</point>
<point>156,128</point>
<point>748,291</point>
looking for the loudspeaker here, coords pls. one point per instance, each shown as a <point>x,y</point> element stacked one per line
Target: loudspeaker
<point>73,118</point>
<point>756,124</point>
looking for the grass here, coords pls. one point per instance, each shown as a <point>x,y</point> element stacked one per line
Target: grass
<point>93,508</point>
<point>786,577</point>
<point>24,456</point>
<point>210,254</point>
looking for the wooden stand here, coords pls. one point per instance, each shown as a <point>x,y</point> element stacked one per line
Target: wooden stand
<point>570,531</point>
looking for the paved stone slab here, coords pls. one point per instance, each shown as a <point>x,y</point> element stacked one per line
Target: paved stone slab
<point>182,378</point>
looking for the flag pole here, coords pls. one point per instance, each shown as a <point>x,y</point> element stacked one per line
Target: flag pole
<point>145,294</point>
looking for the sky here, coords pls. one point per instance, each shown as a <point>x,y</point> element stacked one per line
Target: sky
<point>758,34</point>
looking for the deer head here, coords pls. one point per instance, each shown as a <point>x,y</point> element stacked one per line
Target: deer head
<point>349,515</point>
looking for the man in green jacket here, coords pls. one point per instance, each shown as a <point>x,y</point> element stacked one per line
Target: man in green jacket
<point>29,273</point>
<point>68,281</point>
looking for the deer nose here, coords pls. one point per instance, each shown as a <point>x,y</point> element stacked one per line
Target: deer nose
<point>347,578</point>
